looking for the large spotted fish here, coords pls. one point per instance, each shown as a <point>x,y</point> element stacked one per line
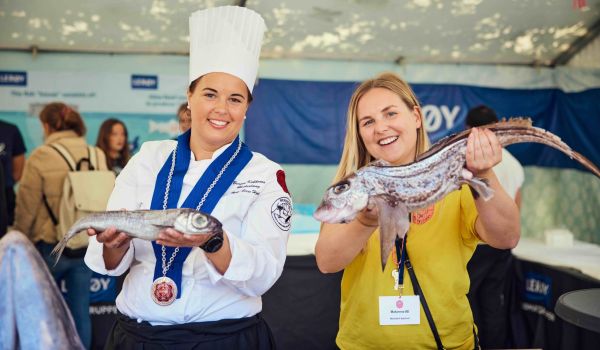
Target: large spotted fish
<point>399,190</point>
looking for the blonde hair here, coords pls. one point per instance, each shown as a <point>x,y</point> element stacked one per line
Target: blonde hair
<point>355,153</point>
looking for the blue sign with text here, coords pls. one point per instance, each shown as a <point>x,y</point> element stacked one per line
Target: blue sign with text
<point>13,78</point>
<point>538,289</point>
<point>146,82</point>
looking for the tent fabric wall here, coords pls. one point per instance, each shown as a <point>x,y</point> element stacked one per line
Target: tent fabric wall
<point>589,57</point>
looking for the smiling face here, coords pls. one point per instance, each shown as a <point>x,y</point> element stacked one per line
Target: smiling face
<point>218,104</point>
<point>387,127</point>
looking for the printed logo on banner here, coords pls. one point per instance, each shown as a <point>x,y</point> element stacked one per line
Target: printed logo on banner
<point>146,82</point>
<point>13,78</point>
<point>538,289</point>
<point>439,117</point>
<point>102,288</point>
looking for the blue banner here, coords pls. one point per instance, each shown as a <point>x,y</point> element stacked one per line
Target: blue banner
<point>102,288</point>
<point>298,122</point>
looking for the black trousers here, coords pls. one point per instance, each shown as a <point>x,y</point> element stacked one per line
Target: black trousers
<point>11,201</point>
<point>246,333</point>
<point>488,270</point>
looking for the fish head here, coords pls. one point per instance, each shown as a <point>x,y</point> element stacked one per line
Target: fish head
<point>342,201</point>
<point>195,222</point>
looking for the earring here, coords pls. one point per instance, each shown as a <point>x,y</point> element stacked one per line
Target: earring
<point>188,106</point>
<point>244,117</point>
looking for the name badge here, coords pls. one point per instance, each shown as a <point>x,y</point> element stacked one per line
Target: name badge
<point>399,311</point>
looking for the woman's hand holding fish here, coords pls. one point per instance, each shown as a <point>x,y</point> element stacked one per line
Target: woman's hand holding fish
<point>115,244</point>
<point>369,216</point>
<point>483,151</point>
<point>498,222</point>
<point>220,259</point>
<point>173,238</point>
<point>110,238</point>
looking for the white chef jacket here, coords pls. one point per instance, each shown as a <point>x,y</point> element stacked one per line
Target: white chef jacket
<point>252,218</point>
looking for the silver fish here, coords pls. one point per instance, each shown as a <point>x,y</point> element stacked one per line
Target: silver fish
<point>33,313</point>
<point>143,224</point>
<point>398,190</point>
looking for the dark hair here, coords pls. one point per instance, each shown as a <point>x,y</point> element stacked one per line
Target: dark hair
<point>195,82</point>
<point>481,115</point>
<point>103,142</point>
<point>59,117</point>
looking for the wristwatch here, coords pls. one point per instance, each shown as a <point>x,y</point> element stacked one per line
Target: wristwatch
<point>214,243</point>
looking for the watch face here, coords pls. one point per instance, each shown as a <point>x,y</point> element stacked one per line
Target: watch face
<point>213,244</point>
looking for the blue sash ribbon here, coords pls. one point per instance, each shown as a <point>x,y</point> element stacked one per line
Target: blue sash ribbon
<point>182,162</point>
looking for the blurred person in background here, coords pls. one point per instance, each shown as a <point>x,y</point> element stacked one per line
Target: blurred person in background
<point>38,198</point>
<point>12,160</point>
<point>184,117</point>
<point>489,266</point>
<point>3,212</point>
<point>113,140</point>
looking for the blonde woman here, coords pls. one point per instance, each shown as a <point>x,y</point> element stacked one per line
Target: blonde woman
<point>385,122</point>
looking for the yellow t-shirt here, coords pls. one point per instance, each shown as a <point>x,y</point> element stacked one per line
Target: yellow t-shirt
<point>440,243</point>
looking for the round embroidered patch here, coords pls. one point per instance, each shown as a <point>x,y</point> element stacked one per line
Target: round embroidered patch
<point>281,212</point>
<point>422,216</point>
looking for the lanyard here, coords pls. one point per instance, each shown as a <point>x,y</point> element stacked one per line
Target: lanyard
<point>182,161</point>
<point>401,258</point>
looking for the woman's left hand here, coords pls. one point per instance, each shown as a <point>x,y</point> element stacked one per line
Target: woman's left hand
<point>483,151</point>
<point>173,238</point>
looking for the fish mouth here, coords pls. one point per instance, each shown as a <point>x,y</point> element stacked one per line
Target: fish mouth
<point>388,140</point>
<point>328,214</point>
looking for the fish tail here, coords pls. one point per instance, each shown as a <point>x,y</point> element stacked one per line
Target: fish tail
<point>518,130</point>
<point>60,247</point>
<point>586,163</point>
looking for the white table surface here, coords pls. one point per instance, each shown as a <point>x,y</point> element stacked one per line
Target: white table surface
<point>582,256</point>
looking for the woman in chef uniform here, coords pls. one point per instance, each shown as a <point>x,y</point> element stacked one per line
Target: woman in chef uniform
<point>203,291</point>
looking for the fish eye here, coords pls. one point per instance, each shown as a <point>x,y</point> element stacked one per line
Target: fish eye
<point>341,188</point>
<point>199,221</point>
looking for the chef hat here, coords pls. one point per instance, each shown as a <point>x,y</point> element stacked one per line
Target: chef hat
<point>226,39</point>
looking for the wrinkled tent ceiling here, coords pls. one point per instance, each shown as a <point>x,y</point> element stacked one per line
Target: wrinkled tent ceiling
<point>534,32</point>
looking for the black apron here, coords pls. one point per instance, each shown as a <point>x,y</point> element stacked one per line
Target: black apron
<point>244,333</point>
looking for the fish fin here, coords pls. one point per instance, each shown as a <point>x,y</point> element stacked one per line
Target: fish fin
<point>480,187</point>
<point>393,222</point>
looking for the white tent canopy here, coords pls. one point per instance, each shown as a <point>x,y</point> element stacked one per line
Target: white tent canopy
<point>523,32</point>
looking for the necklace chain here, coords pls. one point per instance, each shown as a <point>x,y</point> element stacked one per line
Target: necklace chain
<point>165,265</point>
